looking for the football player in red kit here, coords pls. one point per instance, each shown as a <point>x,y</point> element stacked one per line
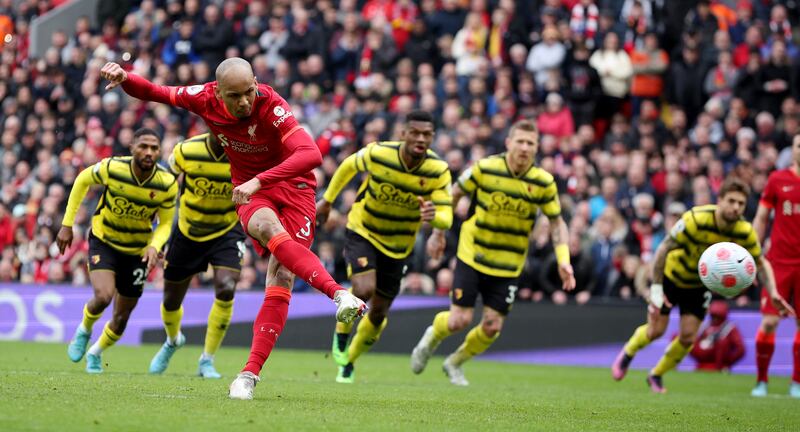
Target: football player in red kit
<point>271,158</point>
<point>781,195</point>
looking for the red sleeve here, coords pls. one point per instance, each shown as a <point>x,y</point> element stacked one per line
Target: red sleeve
<point>768,197</point>
<point>304,156</point>
<point>191,98</point>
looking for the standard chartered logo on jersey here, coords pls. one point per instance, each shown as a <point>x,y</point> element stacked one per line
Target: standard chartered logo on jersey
<point>389,194</point>
<point>205,188</point>
<point>123,208</point>
<point>506,205</point>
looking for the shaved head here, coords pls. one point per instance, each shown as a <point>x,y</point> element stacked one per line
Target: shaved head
<point>236,68</point>
<point>236,86</point>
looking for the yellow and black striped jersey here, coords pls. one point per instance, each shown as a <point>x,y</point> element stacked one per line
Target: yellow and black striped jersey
<point>694,232</point>
<point>494,240</point>
<point>386,211</point>
<point>127,209</point>
<point>206,210</point>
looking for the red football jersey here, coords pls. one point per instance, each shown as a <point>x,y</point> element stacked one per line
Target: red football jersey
<point>782,194</point>
<point>254,144</point>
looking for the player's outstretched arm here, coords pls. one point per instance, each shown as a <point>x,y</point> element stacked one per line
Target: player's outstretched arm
<point>767,278</point>
<point>85,179</point>
<point>143,89</point>
<point>559,235</point>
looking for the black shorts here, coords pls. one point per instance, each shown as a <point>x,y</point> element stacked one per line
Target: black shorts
<point>130,272</point>
<point>692,301</point>
<point>186,257</point>
<point>497,292</point>
<point>362,256</point>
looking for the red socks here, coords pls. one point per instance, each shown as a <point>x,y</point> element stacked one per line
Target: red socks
<point>267,326</point>
<point>765,346</point>
<point>302,262</point>
<point>796,352</point>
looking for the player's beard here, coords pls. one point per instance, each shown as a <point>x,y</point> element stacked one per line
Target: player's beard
<point>143,163</point>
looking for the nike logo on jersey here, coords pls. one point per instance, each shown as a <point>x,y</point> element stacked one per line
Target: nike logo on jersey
<point>740,260</point>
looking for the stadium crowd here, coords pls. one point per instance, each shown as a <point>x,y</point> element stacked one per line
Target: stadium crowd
<point>644,106</point>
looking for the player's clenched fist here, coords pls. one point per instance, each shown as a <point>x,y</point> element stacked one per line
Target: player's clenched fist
<point>427,210</point>
<point>242,193</point>
<point>114,73</point>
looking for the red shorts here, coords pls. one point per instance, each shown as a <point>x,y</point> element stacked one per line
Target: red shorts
<point>787,278</point>
<point>296,209</point>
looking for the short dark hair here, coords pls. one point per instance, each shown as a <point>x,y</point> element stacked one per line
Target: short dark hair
<point>734,184</point>
<point>419,115</point>
<point>523,125</point>
<point>146,131</point>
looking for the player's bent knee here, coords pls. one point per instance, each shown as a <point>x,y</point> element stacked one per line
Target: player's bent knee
<point>103,299</point>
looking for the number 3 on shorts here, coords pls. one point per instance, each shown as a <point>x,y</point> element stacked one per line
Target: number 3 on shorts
<point>512,293</point>
<point>138,275</point>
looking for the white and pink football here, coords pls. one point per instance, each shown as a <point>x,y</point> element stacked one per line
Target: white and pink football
<point>727,269</point>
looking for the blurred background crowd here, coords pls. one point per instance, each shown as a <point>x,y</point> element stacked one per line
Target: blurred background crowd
<point>644,106</point>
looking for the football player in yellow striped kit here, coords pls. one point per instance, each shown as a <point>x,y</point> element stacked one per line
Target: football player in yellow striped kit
<point>507,191</point>
<point>406,184</point>
<point>123,247</point>
<point>208,232</point>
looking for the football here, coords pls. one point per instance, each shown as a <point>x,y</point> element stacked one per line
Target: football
<point>727,269</point>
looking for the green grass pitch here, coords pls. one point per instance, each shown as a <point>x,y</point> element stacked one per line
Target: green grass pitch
<point>41,390</point>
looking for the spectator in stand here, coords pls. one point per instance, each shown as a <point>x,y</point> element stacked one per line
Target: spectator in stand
<point>556,120</point>
<point>614,67</point>
<point>583,85</point>
<point>649,64</point>
<point>213,36</point>
<point>546,56</point>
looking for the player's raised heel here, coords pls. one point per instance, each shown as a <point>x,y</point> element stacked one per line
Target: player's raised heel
<point>760,390</point>
<point>347,374</point>
<point>242,387</point>
<point>77,346</point>
<point>161,360</point>
<point>656,384</point>
<point>423,351</point>
<point>454,373</point>
<point>794,390</point>
<point>206,369</point>
<point>340,356</point>
<point>620,366</point>
<point>348,306</point>
<point>94,364</point>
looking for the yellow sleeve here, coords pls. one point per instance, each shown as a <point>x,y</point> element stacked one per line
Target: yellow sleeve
<point>93,175</point>
<point>357,162</point>
<point>469,179</point>
<point>166,213</point>
<point>176,160</point>
<point>443,200</point>
<point>681,231</point>
<point>752,244</point>
<point>552,207</point>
